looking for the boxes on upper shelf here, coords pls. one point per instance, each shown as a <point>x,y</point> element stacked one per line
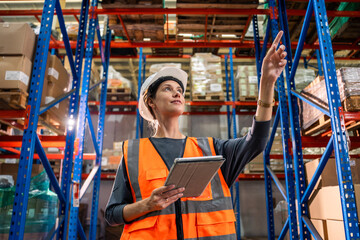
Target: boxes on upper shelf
<point>56,83</point>
<point>349,89</point>
<point>15,72</point>
<point>206,78</point>
<point>154,68</point>
<point>17,39</point>
<point>246,82</point>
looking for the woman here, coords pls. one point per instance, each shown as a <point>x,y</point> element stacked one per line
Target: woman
<point>139,198</point>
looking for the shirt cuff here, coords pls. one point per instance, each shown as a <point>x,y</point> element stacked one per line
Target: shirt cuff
<point>260,129</point>
<point>118,214</point>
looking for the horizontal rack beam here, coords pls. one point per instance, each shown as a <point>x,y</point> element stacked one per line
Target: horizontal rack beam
<point>201,44</point>
<point>189,11</point>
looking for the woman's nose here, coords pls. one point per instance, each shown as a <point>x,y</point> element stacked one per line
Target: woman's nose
<point>176,93</point>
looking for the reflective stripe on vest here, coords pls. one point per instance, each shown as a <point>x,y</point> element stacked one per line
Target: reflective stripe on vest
<point>209,216</point>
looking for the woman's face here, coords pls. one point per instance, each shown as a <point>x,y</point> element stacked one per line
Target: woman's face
<point>169,100</point>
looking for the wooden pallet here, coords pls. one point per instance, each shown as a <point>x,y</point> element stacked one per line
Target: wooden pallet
<point>137,26</point>
<point>12,99</point>
<point>248,98</point>
<point>321,123</point>
<point>120,108</point>
<point>215,25</point>
<point>352,104</point>
<point>208,97</point>
<point>119,97</point>
<point>205,108</point>
<point>117,90</point>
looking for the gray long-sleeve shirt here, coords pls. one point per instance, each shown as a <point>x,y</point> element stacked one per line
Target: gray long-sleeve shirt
<point>237,152</point>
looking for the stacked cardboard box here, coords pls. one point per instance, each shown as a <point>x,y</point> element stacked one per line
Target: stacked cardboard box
<point>206,78</point>
<point>246,82</point>
<point>325,203</point>
<point>349,87</point>
<point>17,44</point>
<point>56,83</point>
<point>111,157</point>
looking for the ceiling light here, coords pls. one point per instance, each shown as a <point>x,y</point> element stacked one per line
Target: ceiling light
<point>186,34</point>
<point>228,36</point>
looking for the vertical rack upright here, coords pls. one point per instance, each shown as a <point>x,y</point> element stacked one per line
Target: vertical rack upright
<point>337,142</point>
<point>30,139</point>
<point>282,117</point>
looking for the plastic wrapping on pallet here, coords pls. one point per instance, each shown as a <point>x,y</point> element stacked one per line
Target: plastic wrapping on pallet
<point>349,81</point>
<point>303,77</point>
<point>42,206</point>
<point>154,68</point>
<point>349,88</point>
<point>206,76</point>
<point>115,79</point>
<point>246,83</point>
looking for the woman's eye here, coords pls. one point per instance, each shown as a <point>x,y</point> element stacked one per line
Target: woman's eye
<point>179,90</point>
<point>167,89</point>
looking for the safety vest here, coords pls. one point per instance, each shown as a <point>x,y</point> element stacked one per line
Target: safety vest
<point>209,216</point>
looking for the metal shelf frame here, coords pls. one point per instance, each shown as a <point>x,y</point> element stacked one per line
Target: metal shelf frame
<point>231,120</point>
<point>70,192</point>
<point>337,142</point>
<point>192,11</point>
<point>68,204</point>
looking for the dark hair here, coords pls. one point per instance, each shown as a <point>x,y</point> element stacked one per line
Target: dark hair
<point>151,92</point>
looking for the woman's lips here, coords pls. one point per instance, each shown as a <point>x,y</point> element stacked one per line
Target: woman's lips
<point>176,101</point>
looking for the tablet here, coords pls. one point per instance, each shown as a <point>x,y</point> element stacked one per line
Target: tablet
<point>194,173</point>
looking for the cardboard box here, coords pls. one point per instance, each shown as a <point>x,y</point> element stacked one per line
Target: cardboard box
<point>325,203</point>
<point>329,175</point>
<point>12,169</point>
<point>15,72</point>
<point>335,230</point>
<point>56,83</point>
<point>17,39</point>
<point>114,160</point>
<point>57,74</point>
<point>320,226</point>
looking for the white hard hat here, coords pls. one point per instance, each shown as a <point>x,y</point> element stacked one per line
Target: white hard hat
<point>167,71</point>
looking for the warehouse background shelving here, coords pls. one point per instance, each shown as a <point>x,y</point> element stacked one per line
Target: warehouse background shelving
<point>156,52</point>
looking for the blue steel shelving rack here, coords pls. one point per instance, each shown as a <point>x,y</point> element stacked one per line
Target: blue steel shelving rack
<point>31,142</point>
<point>231,120</point>
<point>337,142</point>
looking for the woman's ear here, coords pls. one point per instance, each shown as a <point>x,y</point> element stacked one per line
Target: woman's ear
<point>150,102</point>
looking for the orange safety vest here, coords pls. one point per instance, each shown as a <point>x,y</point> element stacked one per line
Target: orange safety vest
<point>209,216</point>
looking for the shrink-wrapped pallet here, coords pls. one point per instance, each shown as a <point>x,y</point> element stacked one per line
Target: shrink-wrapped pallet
<point>303,77</point>
<point>206,78</point>
<point>154,68</point>
<point>246,82</point>
<point>349,89</point>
